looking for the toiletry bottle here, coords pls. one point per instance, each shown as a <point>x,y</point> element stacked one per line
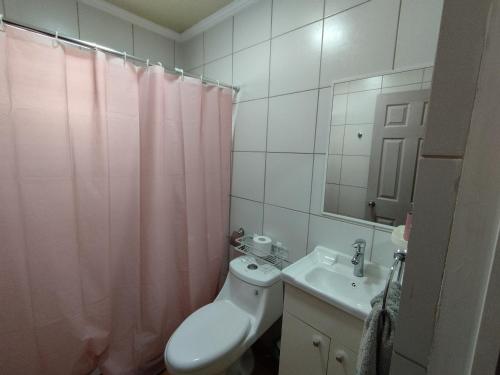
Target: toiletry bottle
<point>408,224</point>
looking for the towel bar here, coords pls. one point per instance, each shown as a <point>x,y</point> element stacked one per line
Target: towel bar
<point>399,259</point>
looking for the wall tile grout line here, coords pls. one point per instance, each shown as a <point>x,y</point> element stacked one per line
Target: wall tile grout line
<point>327,86</point>
<point>324,17</point>
<point>285,94</point>
<point>316,127</point>
<point>397,32</point>
<point>343,145</point>
<point>267,119</point>
<point>133,39</point>
<point>77,18</point>
<point>218,58</point>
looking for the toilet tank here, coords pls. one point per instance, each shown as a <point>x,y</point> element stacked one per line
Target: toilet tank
<point>255,287</point>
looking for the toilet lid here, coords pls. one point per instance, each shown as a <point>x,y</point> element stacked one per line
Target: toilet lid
<point>206,335</point>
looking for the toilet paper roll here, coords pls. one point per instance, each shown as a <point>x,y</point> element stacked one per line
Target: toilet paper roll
<point>261,245</point>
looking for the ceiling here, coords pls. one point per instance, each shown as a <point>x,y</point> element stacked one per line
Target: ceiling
<point>177,15</point>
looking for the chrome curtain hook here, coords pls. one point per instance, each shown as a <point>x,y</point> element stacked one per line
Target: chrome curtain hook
<point>55,40</point>
<point>147,63</point>
<point>181,71</point>
<point>2,28</point>
<point>124,58</point>
<point>218,83</point>
<point>160,64</point>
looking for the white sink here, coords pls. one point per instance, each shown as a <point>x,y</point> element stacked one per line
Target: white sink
<point>328,275</point>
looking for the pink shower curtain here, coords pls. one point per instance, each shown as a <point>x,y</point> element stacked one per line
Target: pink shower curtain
<point>114,200</point>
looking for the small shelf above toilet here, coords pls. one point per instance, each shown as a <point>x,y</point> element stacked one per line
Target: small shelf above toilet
<point>278,255</point>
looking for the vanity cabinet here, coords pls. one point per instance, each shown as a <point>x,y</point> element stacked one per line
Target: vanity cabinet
<point>317,338</point>
<point>313,346</point>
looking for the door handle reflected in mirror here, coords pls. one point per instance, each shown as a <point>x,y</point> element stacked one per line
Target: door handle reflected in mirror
<point>340,356</point>
<point>316,341</point>
<point>371,204</point>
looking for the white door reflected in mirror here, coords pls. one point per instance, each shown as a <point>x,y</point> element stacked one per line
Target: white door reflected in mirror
<point>376,134</point>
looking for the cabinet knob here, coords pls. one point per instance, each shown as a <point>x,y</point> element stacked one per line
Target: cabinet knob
<point>340,356</point>
<point>316,341</point>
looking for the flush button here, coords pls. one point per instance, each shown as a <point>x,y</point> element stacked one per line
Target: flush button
<point>252,266</point>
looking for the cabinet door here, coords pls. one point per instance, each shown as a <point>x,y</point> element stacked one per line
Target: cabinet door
<point>342,361</point>
<point>303,349</point>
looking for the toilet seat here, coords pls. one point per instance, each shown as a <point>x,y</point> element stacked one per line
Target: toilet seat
<point>208,334</point>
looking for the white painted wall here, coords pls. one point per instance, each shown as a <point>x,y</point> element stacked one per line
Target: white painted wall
<point>76,19</point>
<point>474,238</point>
<point>456,218</point>
<point>284,54</point>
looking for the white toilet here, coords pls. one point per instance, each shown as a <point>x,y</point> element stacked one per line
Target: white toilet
<point>216,339</point>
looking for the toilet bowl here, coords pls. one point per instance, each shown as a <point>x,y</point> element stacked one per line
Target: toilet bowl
<point>216,338</point>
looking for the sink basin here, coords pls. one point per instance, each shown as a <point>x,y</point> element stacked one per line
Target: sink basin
<point>328,275</point>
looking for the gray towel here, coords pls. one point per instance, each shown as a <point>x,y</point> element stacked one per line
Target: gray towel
<point>375,350</point>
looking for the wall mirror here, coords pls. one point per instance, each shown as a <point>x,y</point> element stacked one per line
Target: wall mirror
<point>376,132</point>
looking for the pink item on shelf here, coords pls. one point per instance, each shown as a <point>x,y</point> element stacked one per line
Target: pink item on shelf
<point>408,225</point>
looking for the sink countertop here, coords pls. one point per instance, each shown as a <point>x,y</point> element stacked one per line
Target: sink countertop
<point>328,275</point>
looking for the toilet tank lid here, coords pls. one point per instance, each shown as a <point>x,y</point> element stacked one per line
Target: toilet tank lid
<point>254,272</point>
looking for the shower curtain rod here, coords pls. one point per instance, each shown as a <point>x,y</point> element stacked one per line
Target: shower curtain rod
<point>125,55</point>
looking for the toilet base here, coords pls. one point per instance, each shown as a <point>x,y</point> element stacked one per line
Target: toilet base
<point>243,366</point>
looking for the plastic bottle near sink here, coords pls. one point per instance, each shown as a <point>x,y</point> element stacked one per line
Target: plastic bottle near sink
<point>408,225</point>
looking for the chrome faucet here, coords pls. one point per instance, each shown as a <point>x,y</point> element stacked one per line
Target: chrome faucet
<point>359,257</point>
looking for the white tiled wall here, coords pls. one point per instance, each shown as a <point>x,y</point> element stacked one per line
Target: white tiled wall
<point>50,14</point>
<point>295,60</point>
<point>285,54</point>
<point>75,19</point>
<point>419,23</point>
<point>153,46</point>
<point>105,29</point>
<point>360,40</point>
<point>291,124</point>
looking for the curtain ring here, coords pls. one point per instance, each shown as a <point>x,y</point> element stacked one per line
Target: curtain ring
<point>160,64</point>
<point>218,83</point>
<point>147,63</point>
<point>181,71</point>
<point>55,40</point>
<point>124,57</point>
<point>2,28</point>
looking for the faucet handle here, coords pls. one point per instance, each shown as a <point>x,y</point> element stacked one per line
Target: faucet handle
<point>355,260</point>
<point>359,244</point>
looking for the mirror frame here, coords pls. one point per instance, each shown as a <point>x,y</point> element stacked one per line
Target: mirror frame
<point>350,219</point>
